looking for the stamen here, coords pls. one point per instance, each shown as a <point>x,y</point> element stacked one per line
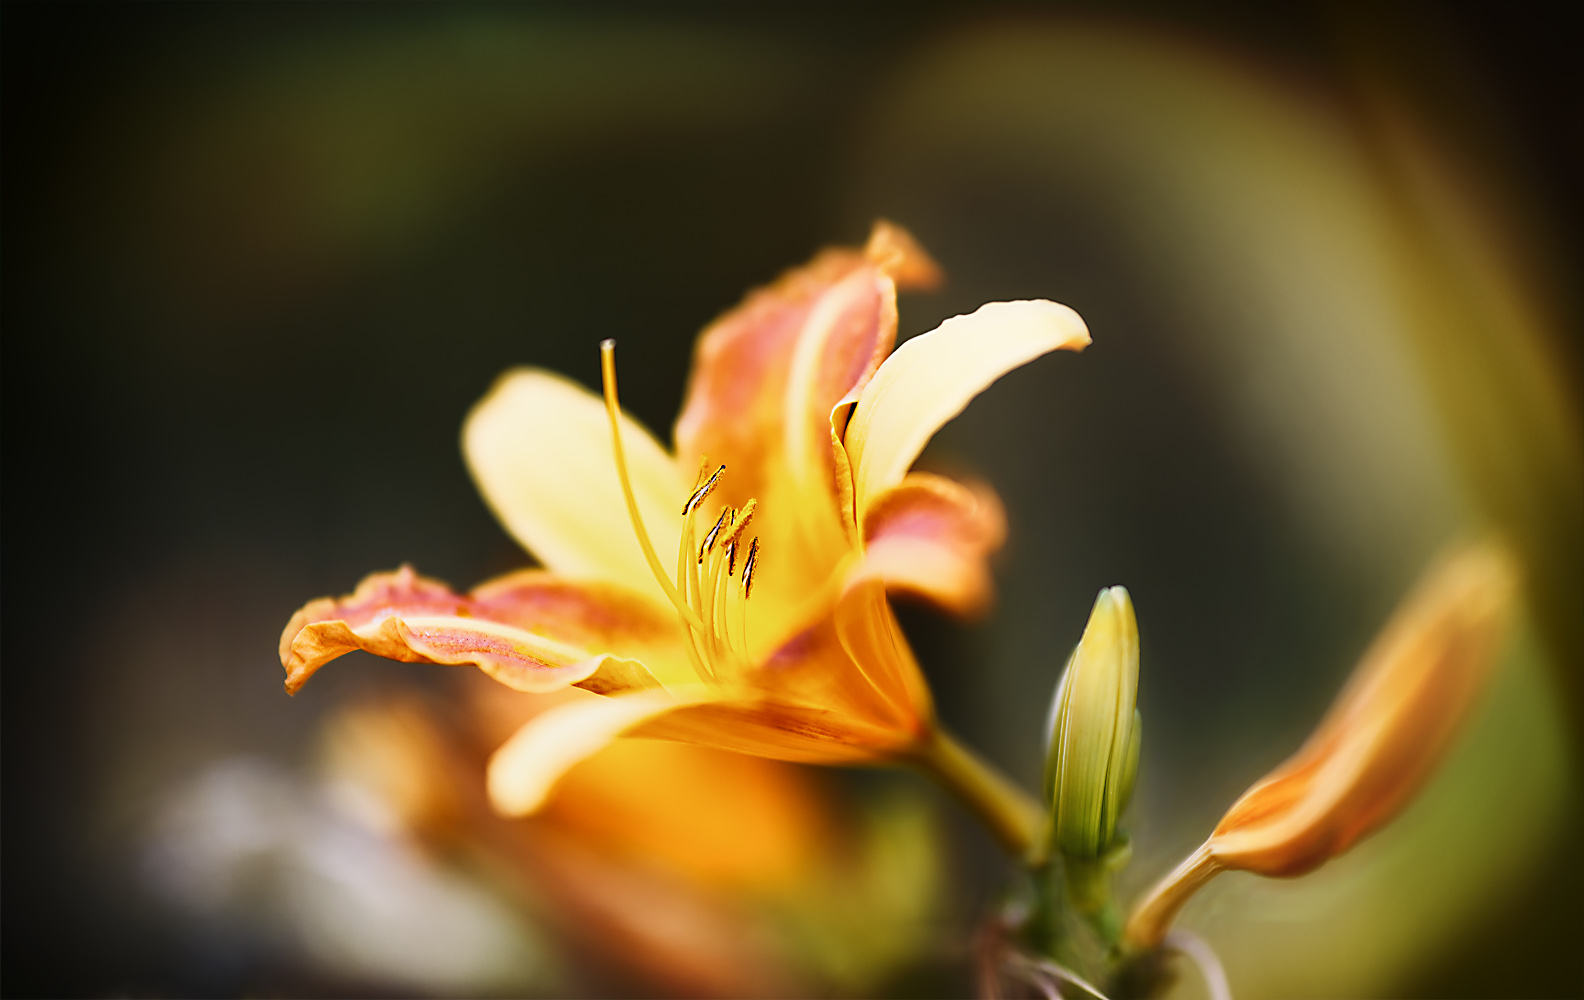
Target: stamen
<point>742,628</point>
<point>682,587</point>
<point>711,595</point>
<point>613,411</point>
<point>731,557</point>
<point>740,521</point>
<point>709,539</point>
<point>718,616</point>
<point>748,568</point>
<point>693,589</point>
<point>702,492</point>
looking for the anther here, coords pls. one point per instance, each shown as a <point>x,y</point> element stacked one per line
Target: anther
<point>740,520</point>
<point>748,568</point>
<point>731,557</point>
<point>709,539</point>
<point>702,492</point>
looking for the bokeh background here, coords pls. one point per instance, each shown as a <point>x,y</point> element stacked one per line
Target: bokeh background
<point>260,260</point>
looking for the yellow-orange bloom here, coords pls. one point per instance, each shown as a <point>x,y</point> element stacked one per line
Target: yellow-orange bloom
<point>1371,752</point>
<point>773,635</point>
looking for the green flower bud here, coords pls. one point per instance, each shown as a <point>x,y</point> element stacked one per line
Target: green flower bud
<point>1095,731</point>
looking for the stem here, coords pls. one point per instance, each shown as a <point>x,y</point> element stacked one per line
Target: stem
<point>1010,813</point>
<point>1089,888</point>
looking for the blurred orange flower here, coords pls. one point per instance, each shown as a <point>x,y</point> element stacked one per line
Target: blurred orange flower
<point>1371,752</point>
<point>798,394</point>
<point>661,865</point>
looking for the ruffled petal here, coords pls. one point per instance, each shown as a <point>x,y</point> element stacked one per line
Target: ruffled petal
<point>534,633</point>
<point>931,378</point>
<point>539,448</point>
<point>930,536</point>
<point>592,614</point>
<point>766,377</point>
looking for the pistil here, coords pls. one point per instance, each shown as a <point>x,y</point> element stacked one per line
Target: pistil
<point>701,591</point>
<point>613,410</point>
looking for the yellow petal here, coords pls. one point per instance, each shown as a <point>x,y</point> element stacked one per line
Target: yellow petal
<point>930,536</point>
<point>815,667</point>
<point>714,817</point>
<point>526,768</point>
<point>872,638</point>
<point>845,690</point>
<point>539,448</point>
<point>779,730</point>
<point>931,378</point>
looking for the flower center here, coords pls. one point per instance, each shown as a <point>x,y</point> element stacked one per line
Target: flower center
<point>712,611</point>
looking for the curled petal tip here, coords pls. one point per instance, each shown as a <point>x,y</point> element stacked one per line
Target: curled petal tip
<point>900,257</point>
<point>1383,736</point>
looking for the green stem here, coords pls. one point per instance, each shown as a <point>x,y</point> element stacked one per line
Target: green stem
<point>1089,888</point>
<point>1010,813</point>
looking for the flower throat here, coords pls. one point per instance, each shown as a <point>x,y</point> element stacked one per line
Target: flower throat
<point>714,613</point>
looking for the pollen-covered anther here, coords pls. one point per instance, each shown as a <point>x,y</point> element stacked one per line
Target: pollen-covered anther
<point>714,533</point>
<point>748,568</point>
<point>702,492</point>
<point>739,522</point>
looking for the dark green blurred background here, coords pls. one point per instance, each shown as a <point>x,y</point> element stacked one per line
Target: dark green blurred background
<point>260,259</point>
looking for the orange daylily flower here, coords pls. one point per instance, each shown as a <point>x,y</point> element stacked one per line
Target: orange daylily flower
<point>1372,751</point>
<point>744,608</point>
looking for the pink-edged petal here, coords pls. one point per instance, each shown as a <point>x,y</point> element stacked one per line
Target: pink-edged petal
<point>931,378</point>
<point>591,614</point>
<point>931,536</point>
<point>402,616</point>
<point>737,392</point>
<point>539,447</point>
<point>766,378</point>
